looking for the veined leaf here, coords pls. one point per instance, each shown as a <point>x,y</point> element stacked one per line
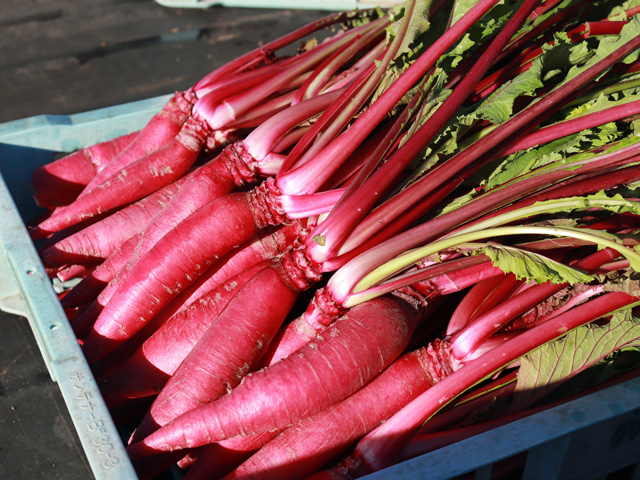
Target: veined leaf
<point>523,162</point>
<point>531,266</point>
<point>609,44</point>
<point>547,367</point>
<point>498,107</point>
<point>460,8</point>
<point>617,12</point>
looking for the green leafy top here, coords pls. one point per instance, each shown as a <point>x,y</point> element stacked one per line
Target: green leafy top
<point>530,266</point>
<point>552,364</point>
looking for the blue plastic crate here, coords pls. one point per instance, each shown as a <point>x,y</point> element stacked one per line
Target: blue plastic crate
<point>586,438</point>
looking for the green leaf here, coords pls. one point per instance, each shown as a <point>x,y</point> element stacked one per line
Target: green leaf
<point>550,365</point>
<point>531,266</point>
<point>560,55</point>
<point>523,162</point>
<point>617,12</point>
<point>607,45</point>
<point>460,8</point>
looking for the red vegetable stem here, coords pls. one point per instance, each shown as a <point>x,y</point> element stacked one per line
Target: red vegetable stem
<point>333,121</point>
<point>480,298</point>
<point>465,342</point>
<point>568,127</point>
<point>463,159</point>
<point>345,144</point>
<point>343,219</point>
<point>219,114</point>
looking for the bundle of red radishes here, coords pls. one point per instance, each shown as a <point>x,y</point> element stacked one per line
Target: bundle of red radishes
<point>302,259</point>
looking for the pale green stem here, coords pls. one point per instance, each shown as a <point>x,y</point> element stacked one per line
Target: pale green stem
<point>413,256</point>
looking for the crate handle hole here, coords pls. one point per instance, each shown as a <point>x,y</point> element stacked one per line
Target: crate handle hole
<point>55,326</point>
<point>31,271</point>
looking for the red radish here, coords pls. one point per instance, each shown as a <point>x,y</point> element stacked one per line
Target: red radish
<point>270,243</point>
<point>308,445</point>
<point>266,244</point>
<point>199,260</point>
<point>233,214</point>
<point>147,371</point>
<point>99,240</point>
<point>142,177</point>
<point>214,179</point>
<point>69,272</point>
<point>217,459</point>
<point>353,350</point>
<point>160,339</point>
<point>230,348</point>
<point>60,182</point>
<point>162,127</point>
<point>238,164</point>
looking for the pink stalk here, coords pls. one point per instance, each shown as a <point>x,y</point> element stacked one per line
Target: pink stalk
<point>263,52</point>
<point>592,181</point>
<point>441,224</point>
<point>219,114</point>
<point>325,71</point>
<point>575,125</point>
<point>563,15</point>
<point>342,220</point>
<point>480,298</point>
<point>344,145</point>
<point>572,302</point>
<point>333,121</point>
<point>384,215</point>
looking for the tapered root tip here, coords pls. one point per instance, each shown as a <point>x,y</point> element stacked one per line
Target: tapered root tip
<point>140,450</point>
<point>153,444</point>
